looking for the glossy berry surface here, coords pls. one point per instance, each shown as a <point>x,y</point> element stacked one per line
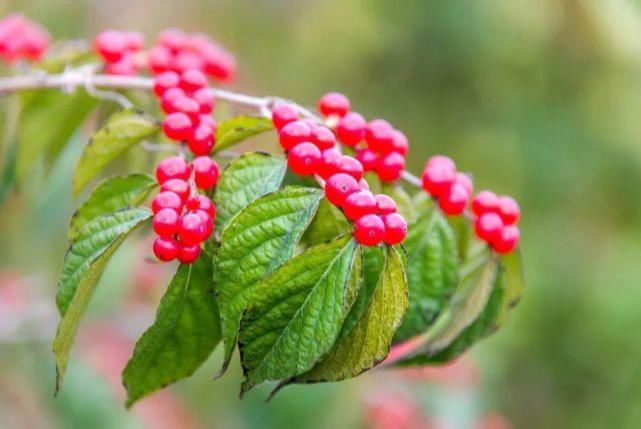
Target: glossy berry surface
<point>188,254</point>
<point>177,126</point>
<point>385,204</point>
<point>390,167</point>
<point>351,129</point>
<point>395,228</point>
<point>323,137</point>
<point>294,133</point>
<point>338,187</point>
<point>166,248</point>
<point>379,135</point>
<point>485,201</point>
<point>177,186</point>
<point>369,230</point>
<point>509,210</point>
<point>359,204</point>
<point>437,178</point>
<point>173,167</point>
<point>164,82</point>
<point>488,226</point>
<point>350,165</point>
<point>507,239</point>
<point>201,202</point>
<point>165,222</point>
<point>304,159</point>
<point>166,200</point>
<point>333,103</point>
<point>205,172</point>
<point>201,141</point>
<point>283,114</point>
<point>191,229</point>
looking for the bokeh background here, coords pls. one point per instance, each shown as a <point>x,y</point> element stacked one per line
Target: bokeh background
<point>540,99</point>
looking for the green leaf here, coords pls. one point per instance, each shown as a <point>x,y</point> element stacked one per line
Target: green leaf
<point>120,132</point>
<point>328,224</point>
<point>48,121</point>
<point>245,179</point>
<point>237,129</point>
<point>366,336</point>
<point>432,271</point>
<point>185,332</point>
<point>254,244</point>
<point>478,276</point>
<point>84,263</point>
<point>295,315</point>
<point>112,194</point>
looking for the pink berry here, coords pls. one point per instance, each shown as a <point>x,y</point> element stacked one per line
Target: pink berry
<point>177,126</point>
<point>125,66</point>
<point>379,135</point>
<point>166,248</point>
<point>188,106</point>
<point>172,39</point>
<point>189,254</point>
<point>173,167</point>
<point>205,172</point>
<point>368,159</point>
<point>294,133</point>
<point>192,80</point>
<point>437,178</point>
<point>395,228</point>
<point>507,239</point>
<point>359,204</point>
<point>509,210</point>
<point>323,137</point>
<point>201,141</point>
<point>385,204</point>
<point>169,97</point>
<point>165,81</point>
<point>400,143</point>
<point>207,120</point>
<point>110,45</point>
<point>484,202</point>
<point>283,114</point>
<point>488,227</point>
<point>159,59</point>
<point>304,159</point>
<point>177,186</point>
<point>329,163</point>
<point>349,165</point>
<point>166,200</point>
<point>369,230</point>
<point>134,41</point>
<point>465,181</point>
<point>191,229</point>
<point>205,99</point>
<point>201,202</point>
<point>338,187</point>
<point>441,160</point>
<point>453,201</point>
<point>390,167</point>
<point>208,222</point>
<point>165,222</point>
<point>351,129</point>
<point>333,103</point>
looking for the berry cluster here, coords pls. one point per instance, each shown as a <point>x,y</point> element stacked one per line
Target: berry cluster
<point>21,38</point>
<point>451,188</point>
<point>118,50</point>
<point>175,51</point>
<point>496,219</point>
<point>188,102</point>
<point>183,219</point>
<point>379,147</point>
<point>311,150</point>
<point>496,216</point>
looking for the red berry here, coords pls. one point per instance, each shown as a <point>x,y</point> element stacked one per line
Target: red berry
<point>323,137</point>
<point>177,126</point>
<point>329,163</point>
<point>191,229</point>
<point>188,106</point>
<point>507,239</point>
<point>208,223</point>
<point>368,159</point>
<point>390,167</point>
<point>165,222</point>
<point>125,66</point>
<point>349,165</point>
<point>441,160</point>
<point>333,103</point>
<point>110,45</point>
<point>369,230</point>
<point>207,120</point>
<point>293,133</point>
<point>484,202</point>
<point>201,141</point>
<point>172,39</point>
<point>189,254</point>
<point>395,228</point>
<point>134,40</point>
<point>488,227</point>
<point>201,202</point>
<point>165,81</point>
<point>379,135</point>
<point>453,202</point>
<point>385,204</point>
<point>400,143</point>
<point>192,80</point>
<point>283,114</point>
<point>159,59</point>
<point>437,178</point>
<point>166,248</point>
<point>338,187</point>
<point>205,99</point>
<point>187,60</point>
<point>205,172</point>
<point>168,98</point>
<point>351,129</point>
<point>465,180</point>
<point>509,210</point>
<point>166,200</point>
<point>359,204</point>
<point>304,159</point>
<point>173,167</point>
<point>177,186</point>
<point>220,64</point>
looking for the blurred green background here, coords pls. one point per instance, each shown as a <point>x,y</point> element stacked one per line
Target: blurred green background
<point>540,99</point>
